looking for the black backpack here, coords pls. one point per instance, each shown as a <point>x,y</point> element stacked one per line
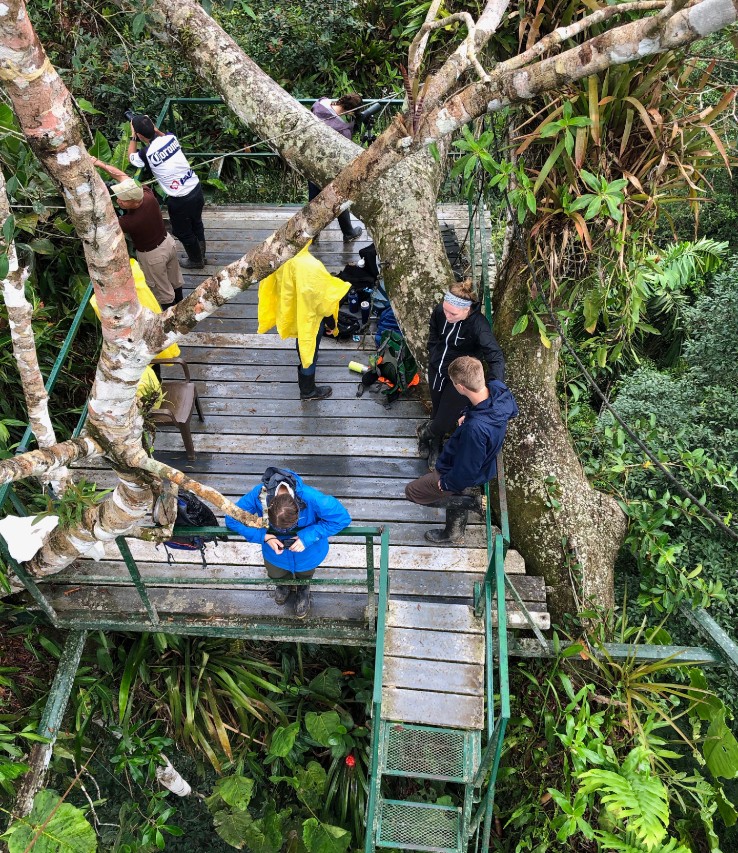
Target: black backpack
<point>192,512</point>
<point>348,326</point>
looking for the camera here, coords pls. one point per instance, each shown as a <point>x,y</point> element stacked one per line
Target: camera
<point>129,114</point>
<point>289,542</point>
<point>367,118</point>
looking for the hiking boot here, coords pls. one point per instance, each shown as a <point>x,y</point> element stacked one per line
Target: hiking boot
<point>353,234</point>
<point>190,264</point>
<point>302,602</point>
<point>453,533</point>
<point>203,249</point>
<point>309,390</point>
<point>425,438</point>
<point>282,593</point>
<point>194,259</point>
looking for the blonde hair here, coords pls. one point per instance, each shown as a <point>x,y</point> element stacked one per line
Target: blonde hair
<point>467,371</point>
<point>464,289</point>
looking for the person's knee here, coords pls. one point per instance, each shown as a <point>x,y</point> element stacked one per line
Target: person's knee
<point>410,491</point>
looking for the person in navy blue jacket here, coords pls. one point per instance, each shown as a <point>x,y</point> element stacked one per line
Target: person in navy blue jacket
<point>469,457</point>
<point>300,521</point>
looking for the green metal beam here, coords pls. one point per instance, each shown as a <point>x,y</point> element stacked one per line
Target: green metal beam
<point>61,687</point>
<point>722,642</point>
<point>529,648</point>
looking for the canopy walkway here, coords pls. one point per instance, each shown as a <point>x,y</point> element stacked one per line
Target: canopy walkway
<point>438,617</point>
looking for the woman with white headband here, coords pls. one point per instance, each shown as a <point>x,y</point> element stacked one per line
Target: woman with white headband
<point>457,327</point>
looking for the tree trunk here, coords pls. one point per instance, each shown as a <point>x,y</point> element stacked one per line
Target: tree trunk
<point>568,532</point>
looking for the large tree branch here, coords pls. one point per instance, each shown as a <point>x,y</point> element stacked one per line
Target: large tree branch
<point>20,318</point>
<point>212,496</point>
<point>46,462</point>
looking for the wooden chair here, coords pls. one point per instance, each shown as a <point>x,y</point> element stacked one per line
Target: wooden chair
<point>180,398</point>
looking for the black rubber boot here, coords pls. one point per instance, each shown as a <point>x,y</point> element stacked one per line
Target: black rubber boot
<point>425,438</point>
<point>178,295</point>
<point>309,390</point>
<point>282,593</point>
<point>203,250</point>
<point>302,602</point>
<point>457,516</point>
<point>435,446</point>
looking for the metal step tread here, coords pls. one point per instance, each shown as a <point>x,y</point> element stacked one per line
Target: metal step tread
<point>427,752</point>
<point>418,826</point>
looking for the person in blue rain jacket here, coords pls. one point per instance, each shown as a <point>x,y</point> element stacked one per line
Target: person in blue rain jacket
<point>296,542</point>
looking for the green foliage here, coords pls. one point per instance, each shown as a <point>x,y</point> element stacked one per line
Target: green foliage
<point>52,826</point>
<point>70,507</point>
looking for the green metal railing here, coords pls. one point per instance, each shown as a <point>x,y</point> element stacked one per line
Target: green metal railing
<point>193,624</point>
<point>375,779</point>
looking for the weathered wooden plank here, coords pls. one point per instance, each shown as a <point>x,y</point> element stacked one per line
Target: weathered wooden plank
<point>277,357</point>
<point>241,554</point>
<point>332,374</point>
<point>315,445</point>
<point>434,645</point>
<point>432,709</point>
<point>195,340</point>
<point>436,676</point>
<point>251,425</point>
<point>355,410</point>
<point>309,467</point>
<point>217,604</point>
<point>287,390</point>
<point>434,617</point>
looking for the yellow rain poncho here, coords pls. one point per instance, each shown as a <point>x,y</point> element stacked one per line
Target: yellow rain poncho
<point>296,298</point>
<point>148,300</point>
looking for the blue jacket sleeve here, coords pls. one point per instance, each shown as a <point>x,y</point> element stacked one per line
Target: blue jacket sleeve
<point>332,517</point>
<point>249,503</point>
<point>464,469</point>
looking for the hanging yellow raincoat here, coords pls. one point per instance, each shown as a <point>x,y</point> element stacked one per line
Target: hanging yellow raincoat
<point>296,298</point>
<point>148,300</point>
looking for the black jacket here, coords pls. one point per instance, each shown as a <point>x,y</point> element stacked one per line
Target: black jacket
<point>448,341</point>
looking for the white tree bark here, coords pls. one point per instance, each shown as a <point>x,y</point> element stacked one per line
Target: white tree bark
<point>20,318</point>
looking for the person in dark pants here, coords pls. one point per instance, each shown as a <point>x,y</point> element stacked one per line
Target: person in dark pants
<point>457,327</point>
<point>163,156</point>
<point>469,458</point>
<point>296,542</point>
<point>155,248</point>
<point>339,115</point>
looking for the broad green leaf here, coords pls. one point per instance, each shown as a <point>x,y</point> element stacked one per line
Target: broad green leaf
<point>57,827</point>
<point>591,307</point>
<point>322,727</point>
<point>265,835</point>
<point>100,148</point>
<point>4,266</point>
<point>138,24</point>
<point>236,791</point>
<point>721,750</point>
<point>589,179</point>
<point>311,785</point>
<point>232,827</point>
<point>283,739</point>
<point>324,838</point>
<point>433,148</point>
<point>87,107</point>
<point>520,326</point>
<point>42,246</point>
<point>594,208</point>
<point>8,228</point>
<point>328,683</point>
<point>7,118</point>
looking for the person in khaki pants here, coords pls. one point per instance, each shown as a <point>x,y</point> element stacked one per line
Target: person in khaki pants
<point>156,250</point>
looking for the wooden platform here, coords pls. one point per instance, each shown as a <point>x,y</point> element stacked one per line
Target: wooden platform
<point>352,448</point>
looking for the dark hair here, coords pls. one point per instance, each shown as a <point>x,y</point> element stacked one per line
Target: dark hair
<point>144,126</point>
<point>352,101</point>
<point>464,289</point>
<point>283,512</point>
